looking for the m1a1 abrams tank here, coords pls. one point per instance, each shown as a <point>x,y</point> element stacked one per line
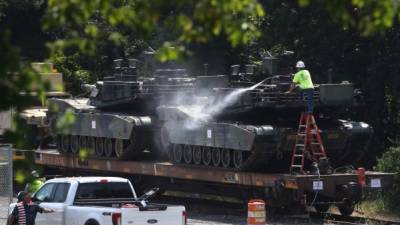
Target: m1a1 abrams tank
<point>235,122</point>
<point>118,119</point>
<point>37,132</point>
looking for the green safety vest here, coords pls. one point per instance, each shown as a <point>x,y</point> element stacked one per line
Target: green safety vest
<point>35,185</point>
<point>303,78</point>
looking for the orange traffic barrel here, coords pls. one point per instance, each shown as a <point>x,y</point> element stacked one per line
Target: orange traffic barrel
<point>256,212</point>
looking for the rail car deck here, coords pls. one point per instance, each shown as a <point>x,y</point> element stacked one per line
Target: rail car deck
<point>324,183</point>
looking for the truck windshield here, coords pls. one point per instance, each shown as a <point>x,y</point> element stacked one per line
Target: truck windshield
<point>104,190</point>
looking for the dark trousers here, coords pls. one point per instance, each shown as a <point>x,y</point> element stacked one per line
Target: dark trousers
<point>308,93</point>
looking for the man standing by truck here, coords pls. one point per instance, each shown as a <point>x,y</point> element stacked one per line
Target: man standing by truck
<point>303,79</point>
<point>25,211</point>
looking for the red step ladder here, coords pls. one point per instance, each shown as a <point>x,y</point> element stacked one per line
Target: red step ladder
<point>308,137</point>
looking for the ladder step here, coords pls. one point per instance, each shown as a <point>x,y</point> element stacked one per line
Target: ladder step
<point>316,143</point>
<point>298,155</point>
<point>301,134</point>
<point>300,145</point>
<point>302,125</point>
<point>298,166</point>
<point>319,154</point>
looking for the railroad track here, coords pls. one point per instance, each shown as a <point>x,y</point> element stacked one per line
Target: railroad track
<point>333,218</point>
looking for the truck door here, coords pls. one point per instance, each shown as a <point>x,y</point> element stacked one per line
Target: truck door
<point>54,199</point>
<point>44,196</point>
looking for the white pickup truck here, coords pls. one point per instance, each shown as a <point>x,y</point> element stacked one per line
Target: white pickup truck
<point>101,201</point>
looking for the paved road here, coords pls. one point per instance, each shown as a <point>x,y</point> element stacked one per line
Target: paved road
<point>3,210</point>
<point>200,213</point>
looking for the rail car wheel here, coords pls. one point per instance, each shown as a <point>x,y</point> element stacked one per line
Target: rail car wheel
<point>187,154</point>
<point>91,145</point>
<point>197,155</point>
<point>74,144</point>
<point>99,146</point>
<point>216,157</point>
<point>178,153</point>
<point>119,147</point>
<point>108,147</point>
<point>171,154</point>
<point>346,208</point>
<point>65,143</point>
<point>207,156</point>
<point>322,208</point>
<point>226,157</point>
<point>83,143</point>
<point>238,159</point>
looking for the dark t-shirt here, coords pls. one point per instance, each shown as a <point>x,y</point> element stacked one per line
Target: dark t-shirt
<point>31,211</point>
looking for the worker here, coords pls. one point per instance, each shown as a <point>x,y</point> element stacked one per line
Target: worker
<point>35,184</point>
<point>24,213</point>
<point>303,79</point>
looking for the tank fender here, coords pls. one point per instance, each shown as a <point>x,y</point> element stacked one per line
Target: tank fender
<point>220,135</point>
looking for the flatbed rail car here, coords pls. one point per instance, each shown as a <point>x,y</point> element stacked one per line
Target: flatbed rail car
<point>280,190</point>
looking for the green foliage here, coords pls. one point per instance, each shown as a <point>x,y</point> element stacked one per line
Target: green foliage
<point>65,122</point>
<point>192,21</point>
<point>389,162</point>
<point>368,16</point>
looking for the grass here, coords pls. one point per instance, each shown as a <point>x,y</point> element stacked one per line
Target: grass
<point>378,207</point>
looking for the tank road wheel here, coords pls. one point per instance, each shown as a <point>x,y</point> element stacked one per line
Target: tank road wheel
<point>226,157</point>
<point>171,154</point>
<point>108,147</point>
<point>91,145</point>
<point>74,144</point>
<point>119,147</point>
<point>58,142</point>
<point>187,154</point>
<point>99,146</point>
<point>82,143</point>
<point>237,159</point>
<point>178,153</point>
<point>216,157</point>
<point>207,156</point>
<point>197,155</point>
<point>65,143</point>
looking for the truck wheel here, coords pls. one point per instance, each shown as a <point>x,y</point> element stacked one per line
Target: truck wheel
<point>108,147</point>
<point>99,146</point>
<point>207,156</point>
<point>187,154</point>
<point>197,155</point>
<point>91,222</point>
<point>74,144</point>
<point>216,157</point>
<point>226,157</point>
